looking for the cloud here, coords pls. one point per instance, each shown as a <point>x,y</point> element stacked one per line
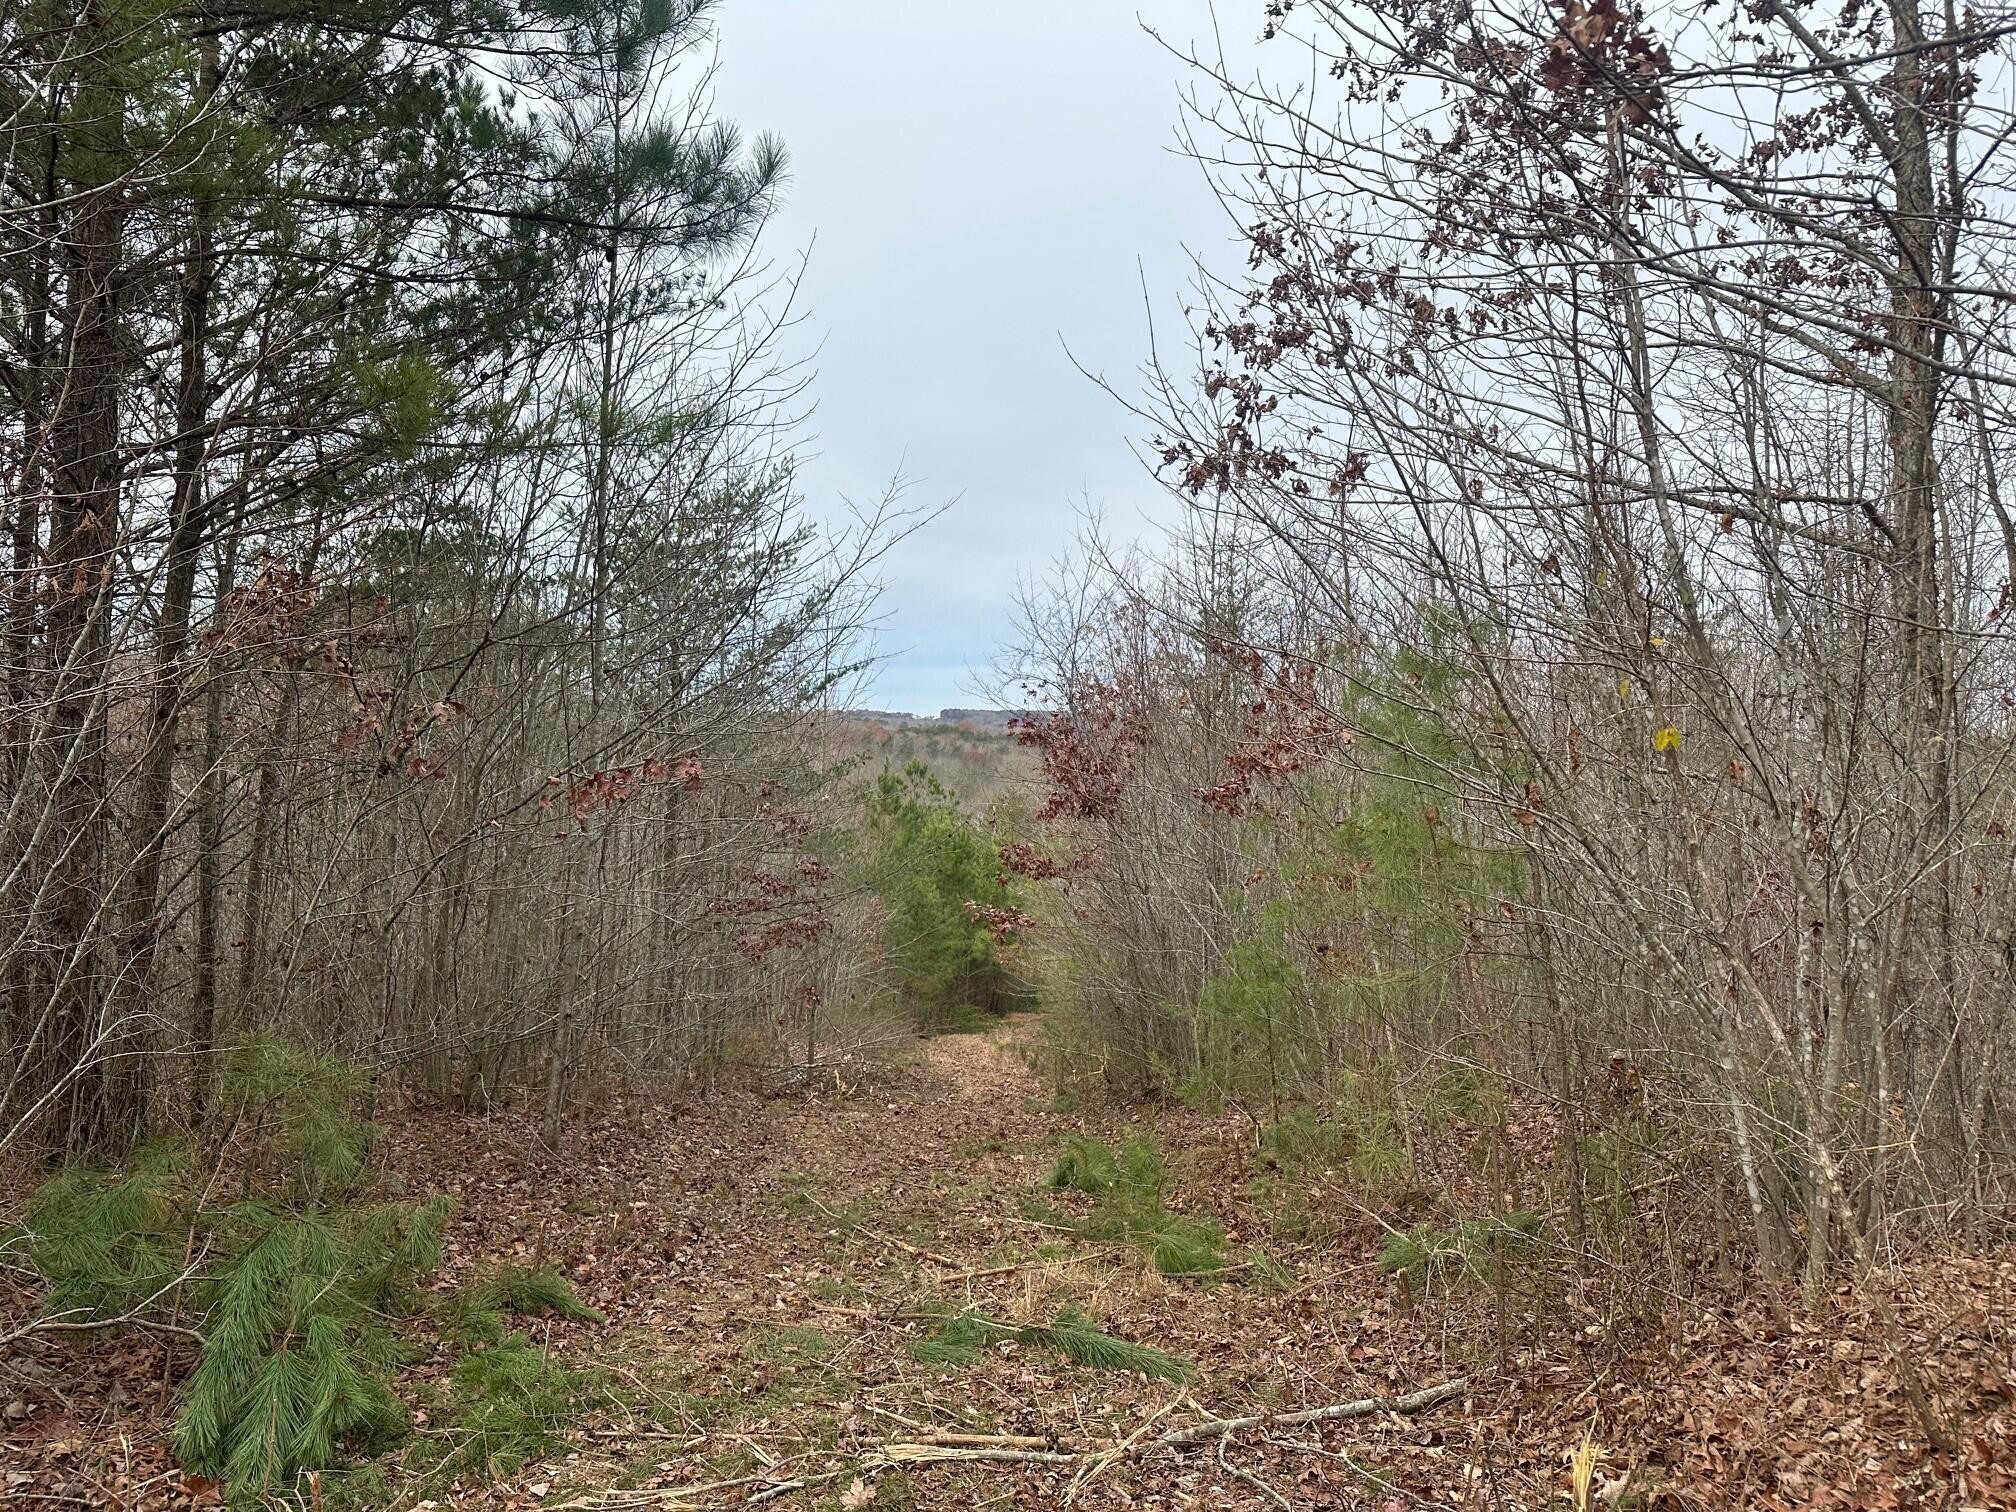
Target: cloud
<point>980,185</point>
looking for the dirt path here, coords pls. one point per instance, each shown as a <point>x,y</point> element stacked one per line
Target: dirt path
<point>777,1270</point>
<point>765,1262</point>
<point>764,1265</point>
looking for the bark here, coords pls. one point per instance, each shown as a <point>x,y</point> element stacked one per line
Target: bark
<point>209,866</point>
<point>84,512</point>
<point>152,824</point>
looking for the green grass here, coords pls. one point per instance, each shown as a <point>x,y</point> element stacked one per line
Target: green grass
<point>1476,1249</point>
<point>509,1403</point>
<point>474,1315</point>
<point>966,1338</point>
<point>792,1342</point>
<point>1130,1182</point>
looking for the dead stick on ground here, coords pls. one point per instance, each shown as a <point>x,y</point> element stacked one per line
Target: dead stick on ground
<point>983,1440</point>
<point>861,1228</point>
<point>923,1452</point>
<point>1225,1464</point>
<point>1415,1401</point>
<point>1022,1265</point>
<point>1177,1438</point>
<point>889,1455</point>
<point>1095,1467</point>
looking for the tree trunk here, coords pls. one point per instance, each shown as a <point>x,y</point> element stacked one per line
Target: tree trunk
<point>141,932</point>
<point>209,864</point>
<point>84,513</point>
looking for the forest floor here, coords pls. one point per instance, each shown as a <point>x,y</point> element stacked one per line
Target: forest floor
<point>768,1264</point>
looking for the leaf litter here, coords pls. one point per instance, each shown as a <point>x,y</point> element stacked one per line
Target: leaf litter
<point>771,1275</point>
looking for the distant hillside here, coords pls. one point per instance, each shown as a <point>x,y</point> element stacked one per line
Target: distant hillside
<point>973,751</point>
<point>980,720</point>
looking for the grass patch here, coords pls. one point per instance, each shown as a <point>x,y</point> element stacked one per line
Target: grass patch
<point>1130,1182</point>
<point>973,1149</point>
<point>1476,1249</point>
<point>1271,1274</point>
<point>474,1315</point>
<point>800,1199</point>
<point>793,1342</point>
<point>510,1403</point>
<point>1361,1138</point>
<point>965,1338</point>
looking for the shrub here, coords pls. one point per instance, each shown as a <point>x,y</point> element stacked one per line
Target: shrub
<point>106,1244</point>
<point>296,1343</point>
<point>1476,1249</point>
<point>964,1338</point>
<point>474,1315</point>
<point>1463,1094</point>
<point>1091,1166</point>
<point>294,1287</point>
<point>939,879</point>
<point>1130,1182</point>
<point>1360,1136</point>
<point>1302,1142</point>
<point>510,1404</point>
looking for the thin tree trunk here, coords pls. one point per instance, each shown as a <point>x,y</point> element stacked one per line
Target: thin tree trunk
<point>209,863</point>
<point>136,987</point>
<point>84,515</point>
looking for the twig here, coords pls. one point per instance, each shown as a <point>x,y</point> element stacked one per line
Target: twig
<point>913,1452</point>
<point>61,1323</point>
<point>785,1488</point>
<point>1225,1464</point>
<point>984,1440</point>
<point>1022,1265</point>
<point>1376,1481</point>
<point>1098,1465</point>
<point>679,1498</point>
<point>1416,1401</point>
<point>861,1228</point>
<point>949,1447</point>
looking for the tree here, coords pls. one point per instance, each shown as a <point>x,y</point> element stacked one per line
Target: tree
<point>948,909</point>
<point>1662,358</point>
<point>402,461</point>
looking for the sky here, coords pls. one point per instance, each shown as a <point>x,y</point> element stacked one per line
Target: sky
<point>986,189</point>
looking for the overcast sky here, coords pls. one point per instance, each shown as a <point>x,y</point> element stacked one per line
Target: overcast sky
<point>982,183</point>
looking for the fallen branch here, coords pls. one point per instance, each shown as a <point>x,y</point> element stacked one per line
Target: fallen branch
<point>1038,1263</point>
<point>1225,1464</point>
<point>916,1452</point>
<point>890,1455</point>
<point>1014,1449</point>
<point>1371,1477</point>
<point>1416,1401</point>
<point>1098,1464</point>
<point>983,1440</point>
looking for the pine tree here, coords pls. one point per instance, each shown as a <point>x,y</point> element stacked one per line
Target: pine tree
<point>294,1287</point>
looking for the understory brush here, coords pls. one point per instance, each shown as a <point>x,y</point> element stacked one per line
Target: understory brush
<point>273,1247</point>
<point>1478,1250</point>
<point>1131,1183</point>
<point>964,1338</point>
<point>948,911</point>
<point>511,1402</point>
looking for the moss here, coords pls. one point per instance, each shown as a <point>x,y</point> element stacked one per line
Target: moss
<point>791,1342</point>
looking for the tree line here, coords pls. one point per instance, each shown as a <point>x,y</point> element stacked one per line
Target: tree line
<point>1585,659</point>
<point>410,615</point>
